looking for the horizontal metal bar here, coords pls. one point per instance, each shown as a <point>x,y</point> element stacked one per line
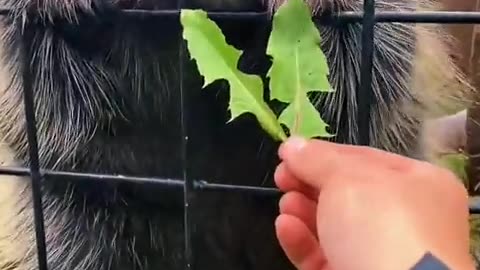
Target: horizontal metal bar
<point>342,17</point>
<point>474,210</point>
<point>474,205</point>
<point>262,16</point>
<point>168,183</point>
<point>444,17</point>
<point>19,171</point>
<point>203,185</point>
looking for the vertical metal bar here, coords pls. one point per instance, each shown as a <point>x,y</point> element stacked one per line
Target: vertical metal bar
<point>188,185</point>
<point>33,151</point>
<point>365,94</point>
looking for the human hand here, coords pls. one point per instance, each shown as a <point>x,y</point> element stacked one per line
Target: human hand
<point>358,208</point>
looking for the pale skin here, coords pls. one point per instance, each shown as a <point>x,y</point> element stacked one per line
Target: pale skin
<point>357,208</point>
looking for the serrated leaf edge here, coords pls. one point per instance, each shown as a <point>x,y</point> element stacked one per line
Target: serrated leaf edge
<point>267,112</point>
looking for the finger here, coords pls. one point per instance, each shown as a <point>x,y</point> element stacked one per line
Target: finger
<point>315,161</point>
<point>366,153</point>
<point>286,182</point>
<point>296,204</point>
<point>309,161</point>
<point>299,244</point>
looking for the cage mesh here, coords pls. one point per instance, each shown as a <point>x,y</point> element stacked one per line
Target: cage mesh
<point>368,18</point>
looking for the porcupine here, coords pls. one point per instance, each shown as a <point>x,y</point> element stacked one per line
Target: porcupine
<point>107,98</point>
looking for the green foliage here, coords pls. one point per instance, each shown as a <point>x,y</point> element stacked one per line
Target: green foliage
<point>218,60</point>
<point>475,238</point>
<point>457,164</point>
<point>299,67</point>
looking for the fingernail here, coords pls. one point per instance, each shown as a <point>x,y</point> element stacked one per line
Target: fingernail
<point>291,146</point>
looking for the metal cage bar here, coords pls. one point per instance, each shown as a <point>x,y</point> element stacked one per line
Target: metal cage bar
<point>188,185</point>
<point>364,94</point>
<point>369,17</point>
<point>33,154</point>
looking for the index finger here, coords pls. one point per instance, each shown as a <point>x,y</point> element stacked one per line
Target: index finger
<point>286,182</point>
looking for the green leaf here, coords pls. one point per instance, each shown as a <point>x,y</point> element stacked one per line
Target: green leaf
<point>301,125</point>
<point>217,60</point>
<point>457,164</point>
<point>298,67</point>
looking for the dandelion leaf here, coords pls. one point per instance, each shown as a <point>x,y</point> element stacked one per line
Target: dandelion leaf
<point>298,67</point>
<point>217,60</point>
<point>289,117</point>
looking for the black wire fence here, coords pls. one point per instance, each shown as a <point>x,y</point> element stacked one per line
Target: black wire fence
<point>368,18</point>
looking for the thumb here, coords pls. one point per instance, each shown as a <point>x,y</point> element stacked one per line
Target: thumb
<point>315,161</point>
<point>310,161</point>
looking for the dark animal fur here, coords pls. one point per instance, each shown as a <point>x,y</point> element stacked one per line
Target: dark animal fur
<point>108,101</point>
